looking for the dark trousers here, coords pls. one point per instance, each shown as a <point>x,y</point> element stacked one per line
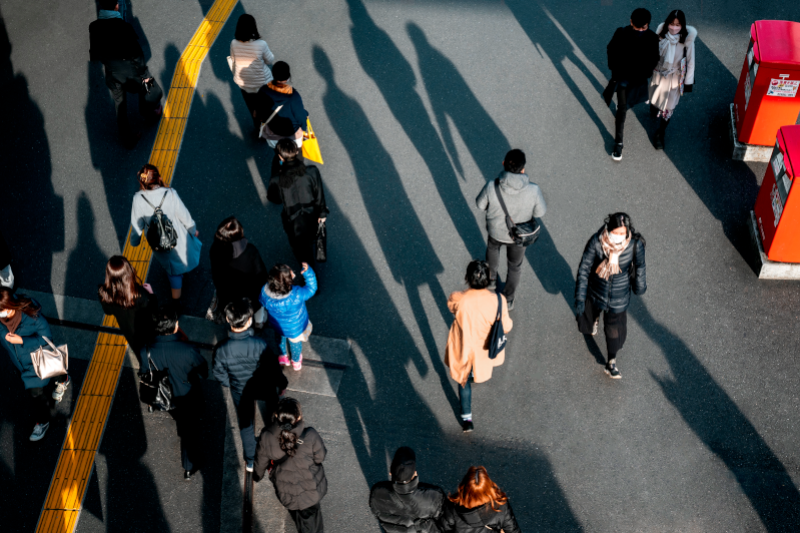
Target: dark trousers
<point>308,520</point>
<point>622,111</point>
<point>465,395</point>
<point>304,248</point>
<point>187,415</point>
<point>40,405</point>
<point>515,255</point>
<point>246,414</point>
<point>615,326</point>
<point>251,101</point>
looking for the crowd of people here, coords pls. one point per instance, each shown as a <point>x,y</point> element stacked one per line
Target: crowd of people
<point>251,299</point>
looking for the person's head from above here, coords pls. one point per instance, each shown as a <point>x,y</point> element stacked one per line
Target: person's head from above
<point>404,466</point>
<point>478,489</point>
<point>122,285</point>
<point>292,166</point>
<point>149,178</point>
<point>477,274</point>
<point>165,320</point>
<point>229,230</point>
<point>675,24</point>
<point>10,305</point>
<point>280,279</point>
<point>514,161</point>
<point>287,414</point>
<point>281,72</point>
<point>246,29</point>
<point>239,314</point>
<point>640,19</point>
<point>287,149</point>
<point>109,5</point>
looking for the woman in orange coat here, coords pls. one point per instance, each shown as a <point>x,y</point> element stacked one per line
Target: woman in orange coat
<point>467,352</point>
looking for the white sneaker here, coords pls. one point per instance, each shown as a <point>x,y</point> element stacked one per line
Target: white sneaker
<point>594,328</point>
<point>61,388</point>
<point>249,466</point>
<point>38,431</point>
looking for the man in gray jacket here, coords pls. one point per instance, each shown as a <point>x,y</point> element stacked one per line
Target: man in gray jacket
<point>524,201</point>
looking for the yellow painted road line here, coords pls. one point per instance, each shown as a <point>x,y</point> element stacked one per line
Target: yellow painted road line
<point>74,468</point>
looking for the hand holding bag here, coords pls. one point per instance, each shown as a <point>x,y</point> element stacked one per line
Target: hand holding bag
<point>497,337</point>
<point>48,363</point>
<point>311,146</point>
<point>523,234</point>
<point>155,388</point>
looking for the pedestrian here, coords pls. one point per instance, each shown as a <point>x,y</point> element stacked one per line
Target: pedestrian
<point>524,201</point>
<point>113,41</point>
<point>244,363</point>
<point>479,505</point>
<point>185,367</point>
<point>674,74</point>
<point>632,56</point>
<point>131,302</point>
<point>299,188</point>
<point>613,263</point>
<point>293,452</point>
<point>405,504</point>
<point>280,98</point>
<point>251,58</point>
<point>22,331</point>
<point>286,310</point>
<point>6,274</point>
<point>467,352</point>
<point>237,268</point>
<point>153,194</point>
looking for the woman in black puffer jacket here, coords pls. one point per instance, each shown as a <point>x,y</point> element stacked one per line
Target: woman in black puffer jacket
<point>612,264</point>
<point>479,506</point>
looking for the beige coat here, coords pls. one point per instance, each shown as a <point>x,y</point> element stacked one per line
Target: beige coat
<point>665,85</point>
<point>475,311</point>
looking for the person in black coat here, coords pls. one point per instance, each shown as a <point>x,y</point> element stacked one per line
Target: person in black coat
<point>114,42</point>
<point>244,363</point>
<point>613,263</point>
<point>479,505</point>
<point>236,268</point>
<point>404,504</point>
<point>185,366</point>
<point>299,188</point>
<point>633,53</point>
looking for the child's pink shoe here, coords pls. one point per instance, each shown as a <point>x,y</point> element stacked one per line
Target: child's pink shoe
<point>284,360</point>
<point>299,364</point>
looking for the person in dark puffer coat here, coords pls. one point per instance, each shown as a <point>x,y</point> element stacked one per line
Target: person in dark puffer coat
<point>613,263</point>
<point>295,452</point>
<point>479,506</point>
<point>404,504</point>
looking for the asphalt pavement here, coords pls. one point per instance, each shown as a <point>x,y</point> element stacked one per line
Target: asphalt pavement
<point>415,103</point>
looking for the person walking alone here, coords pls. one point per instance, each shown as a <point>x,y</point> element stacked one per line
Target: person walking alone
<point>524,201</point>
<point>251,60</point>
<point>632,56</point>
<point>467,353</point>
<point>294,452</point>
<point>674,74</point>
<point>405,504</point>
<point>479,505</point>
<point>612,265</point>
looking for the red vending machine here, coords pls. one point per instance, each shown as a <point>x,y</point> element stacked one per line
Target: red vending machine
<point>777,207</point>
<point>767,95</point>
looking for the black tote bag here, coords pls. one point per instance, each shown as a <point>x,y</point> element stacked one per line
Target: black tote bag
<point>155,388</point>
<point>497,337</point>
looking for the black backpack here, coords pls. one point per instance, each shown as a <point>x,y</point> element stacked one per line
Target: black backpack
<point>160,233</point>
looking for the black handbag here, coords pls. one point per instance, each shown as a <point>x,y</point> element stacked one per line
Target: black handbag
<point>524,234</point>
<point>497,337</point>
<point>155,388</point>
<point>322,242</point>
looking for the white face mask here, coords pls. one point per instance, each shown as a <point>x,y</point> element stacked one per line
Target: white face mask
<point>4,313</point>
<point>674,30</point>
<point>613,238</point>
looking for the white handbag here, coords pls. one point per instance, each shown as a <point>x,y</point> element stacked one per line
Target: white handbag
<point>48,363</point>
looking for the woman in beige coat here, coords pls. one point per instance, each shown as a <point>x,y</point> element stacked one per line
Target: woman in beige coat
<point>467,352</point>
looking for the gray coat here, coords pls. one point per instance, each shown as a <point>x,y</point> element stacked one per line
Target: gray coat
<point>523,199</point>
<point>186,254</point>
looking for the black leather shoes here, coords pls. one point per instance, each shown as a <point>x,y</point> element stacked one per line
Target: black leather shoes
<point>467,426</point>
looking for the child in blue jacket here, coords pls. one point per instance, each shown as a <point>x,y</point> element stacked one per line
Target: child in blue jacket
<point>286,308</point>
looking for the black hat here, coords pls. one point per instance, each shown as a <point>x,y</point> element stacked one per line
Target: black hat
<point>404,465</point>
<point>280,71</point>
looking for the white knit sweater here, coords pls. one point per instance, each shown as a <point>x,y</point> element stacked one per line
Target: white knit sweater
<point>250,59</point>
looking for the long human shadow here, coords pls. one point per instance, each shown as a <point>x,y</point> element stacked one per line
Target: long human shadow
<point>716,420</point>
<point>385,64</point>
<point>86,253</point>
<point>412,259</point>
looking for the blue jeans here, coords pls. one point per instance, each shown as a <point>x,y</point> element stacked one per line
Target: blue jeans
<point>246,413</point>
<point>465,394</point>
<point>295,347</point>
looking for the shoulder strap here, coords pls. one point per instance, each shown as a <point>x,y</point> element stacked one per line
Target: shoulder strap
<point>499,307</point>
<point>159,205</point>
<point>150,359</point>
<point>500,198</point>
<point>274,113</point>
<point>286,456</point>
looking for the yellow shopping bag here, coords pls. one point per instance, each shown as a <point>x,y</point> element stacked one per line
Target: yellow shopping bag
<point>311,146</point>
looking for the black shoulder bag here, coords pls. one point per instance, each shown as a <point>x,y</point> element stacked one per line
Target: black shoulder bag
<point>155,388</point>
<point>524,234</point>
<point>497,337</point>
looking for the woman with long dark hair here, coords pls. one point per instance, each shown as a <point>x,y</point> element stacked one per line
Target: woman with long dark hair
<point>251,59</point>
<point>22,331</point>
<point>293,452</point>
<point>479,505</point>
<point>299,188</point>
<point>612,265</point>
<point>124,296</point>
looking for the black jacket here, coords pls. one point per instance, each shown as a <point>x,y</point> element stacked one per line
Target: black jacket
<point>235,275</point>
<point>632,55</point>
<point>614,294</point>
<point>481,519</point>
<point>183,362</point>
<point>243,362</point>
<point>413,507</point>
<point>114,43</point>
<point>136,322</point>
<point>303,202</point>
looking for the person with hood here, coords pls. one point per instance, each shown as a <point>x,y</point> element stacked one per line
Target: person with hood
<point>280,98</point>
<point>524,201</point>
<point>405,504</point>
<point>293,452</point>
<point>613,263</point>
<point>478,505</point>
<point>674,74</point>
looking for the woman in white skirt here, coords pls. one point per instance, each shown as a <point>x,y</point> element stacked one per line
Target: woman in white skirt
<point>674,74</point>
